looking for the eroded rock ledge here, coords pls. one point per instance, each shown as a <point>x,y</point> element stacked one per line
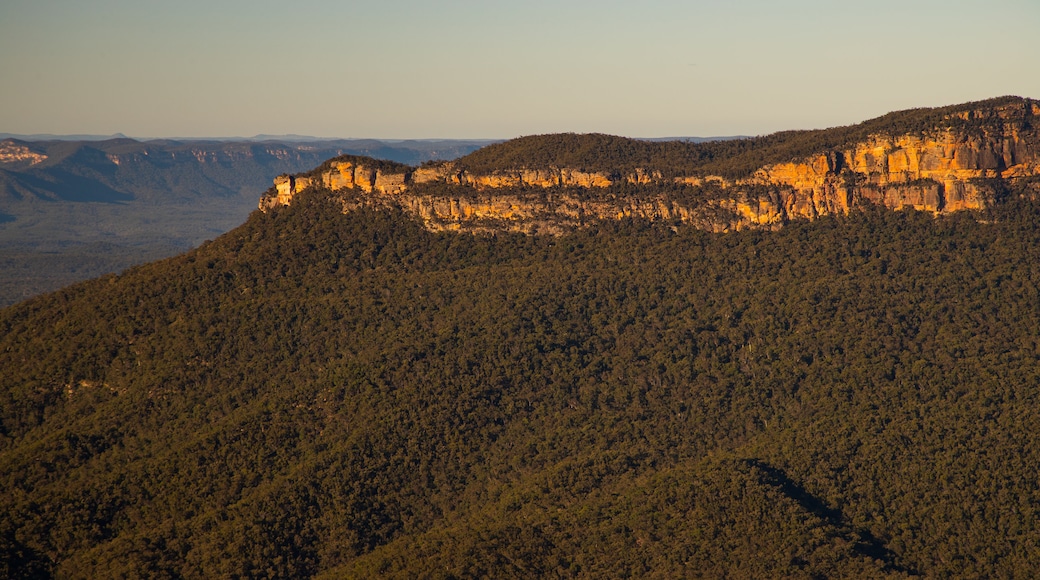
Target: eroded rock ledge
<point>944,171</point>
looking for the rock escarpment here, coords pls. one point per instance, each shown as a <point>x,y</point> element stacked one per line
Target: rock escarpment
<point>958,163</point>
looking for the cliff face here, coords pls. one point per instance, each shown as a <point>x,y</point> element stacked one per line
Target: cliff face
<point>553,213</point>
<point>942,170</point>
<point>939,174</point>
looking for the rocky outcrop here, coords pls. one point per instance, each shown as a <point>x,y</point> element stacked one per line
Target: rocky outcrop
<point>556,213</point>
<point>939,174</point>
<point>13,152</point>
<point>943,171</point>
<point>342,175</point>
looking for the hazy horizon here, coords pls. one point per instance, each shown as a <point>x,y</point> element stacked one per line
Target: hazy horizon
<point>311,138</point>
<point>469,70</point>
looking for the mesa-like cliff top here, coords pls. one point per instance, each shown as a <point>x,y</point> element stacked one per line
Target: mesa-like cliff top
<point>960,157</point>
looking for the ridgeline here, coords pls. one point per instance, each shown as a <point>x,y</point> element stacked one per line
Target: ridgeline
<point>937,160</point>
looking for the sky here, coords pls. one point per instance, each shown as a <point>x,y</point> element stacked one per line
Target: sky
<point>496,69</point>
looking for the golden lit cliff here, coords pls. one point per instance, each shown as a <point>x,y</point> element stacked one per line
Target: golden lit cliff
<point>13,152</point>
<point>959,162</point>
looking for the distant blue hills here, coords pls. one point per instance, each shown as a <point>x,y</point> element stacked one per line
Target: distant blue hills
<point>294,138</point>
<point>100,203</point>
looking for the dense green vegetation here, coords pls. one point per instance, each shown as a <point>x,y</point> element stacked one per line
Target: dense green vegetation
<point>733,158</point>
<point>316,393</point>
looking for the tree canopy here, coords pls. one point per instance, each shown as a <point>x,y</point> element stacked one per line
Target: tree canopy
<point>327,394</point>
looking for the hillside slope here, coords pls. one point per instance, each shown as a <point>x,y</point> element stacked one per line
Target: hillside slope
<point>320,393</point>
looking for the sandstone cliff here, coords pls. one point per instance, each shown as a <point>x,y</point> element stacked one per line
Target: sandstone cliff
<point>952,166</point>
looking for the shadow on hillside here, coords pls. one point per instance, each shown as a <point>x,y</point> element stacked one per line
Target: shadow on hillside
<point>58,185</point>
<point>865,543</point>
<point>20,561</point>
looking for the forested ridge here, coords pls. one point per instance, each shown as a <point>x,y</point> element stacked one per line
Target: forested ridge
<point>350,395</point>
<point>735,158</point>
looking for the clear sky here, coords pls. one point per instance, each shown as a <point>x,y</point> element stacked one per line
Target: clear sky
<point>500,69</point>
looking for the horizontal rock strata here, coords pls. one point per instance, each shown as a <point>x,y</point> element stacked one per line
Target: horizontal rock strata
<point>946,171</point>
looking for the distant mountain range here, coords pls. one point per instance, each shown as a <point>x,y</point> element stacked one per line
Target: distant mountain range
<point>52,137</point>
<point>75,208</point>
<point>293,138</point>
